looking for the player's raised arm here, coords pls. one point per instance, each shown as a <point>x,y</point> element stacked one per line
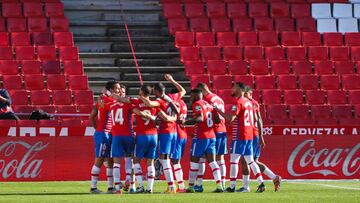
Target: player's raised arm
<point>149,103</point>
<point>180,88</point>
<point>167,118</point>
<point>120,98</point>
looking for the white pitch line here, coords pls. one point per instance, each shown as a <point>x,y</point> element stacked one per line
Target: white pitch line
<point>326,185</point>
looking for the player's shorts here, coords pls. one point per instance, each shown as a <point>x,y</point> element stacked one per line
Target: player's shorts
<point>167,143</point>
<point>221,143</point>
<point>201,147</point>
<point>122,146</point>
<point>102,142</point>
<point>242,147</point>
<point>256,147</point>
<point>145,146</point>
<point>179,149</point>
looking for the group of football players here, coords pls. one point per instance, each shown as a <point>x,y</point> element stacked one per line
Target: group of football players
<point>140,128</point>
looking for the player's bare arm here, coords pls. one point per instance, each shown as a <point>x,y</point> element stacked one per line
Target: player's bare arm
<point>166,117</point>
<point>228,117</point>
<point>149,103</point>
<point>121,99</point>
<point>259,123</point>
<point>194,120</point>
<point>180,88</point>
<point>93,116</point>
<point>143,114</point>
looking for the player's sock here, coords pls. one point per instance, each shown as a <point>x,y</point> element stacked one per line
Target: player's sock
<point>116,174</point>
<point>138,174</point>
<point>269,173</point>
<point>179,176</point>
<point>255,168</point>
<point>110,177</point>
<point>150,177</point>
<point>216,172</point>
<point>222,171</point>
<point>168,172</point>
<point>194,169</point>
<point>246,180</point>
<point>128,168</point>
<point>200,175</point>
<point>234,169</point>
<point>95,171</point>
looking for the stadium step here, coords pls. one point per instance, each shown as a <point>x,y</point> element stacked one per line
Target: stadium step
<point>132,69</point>
<point>137,32</point>
<point>144,47</point>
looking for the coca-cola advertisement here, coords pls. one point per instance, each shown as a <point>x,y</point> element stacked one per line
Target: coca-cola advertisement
<point>320,152</point>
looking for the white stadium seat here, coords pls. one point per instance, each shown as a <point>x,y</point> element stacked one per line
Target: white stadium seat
<point>355,1</point>
<point>326,25</point>
<point>321,11</point>
<point>342,11</point>
<point>357,10</point>
<point>348,25</point>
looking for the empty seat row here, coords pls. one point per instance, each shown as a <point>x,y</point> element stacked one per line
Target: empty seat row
<point>41,53</point>
<point>55,109</point>
<point>266,38</point>
<point>34,24</point>
<point>337,10</point>
<point>304,82</point>
<point>53,82</point>
<point>36,39</point>
<point>316,53</point>
<point>32,9</point>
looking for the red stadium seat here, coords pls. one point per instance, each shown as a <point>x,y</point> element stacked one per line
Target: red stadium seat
<point>330,82</point>
<point>269,38</point>
<point>215,9</point>
<point>10,10</point>
<point>320,111</point>
<point>246,79</point>
<point>317,53</point>
<point>311,39</point>
<point>354,97</point>
<point>46,53</point>
<point>220,24</point>
<point>280,67</point>
<point>293,97</point>
<point>344,67</point>
<point>4,39</point>
<point>62,97</point>
<point>352,39</point>
<point>277,111</point>
<point>350,82</point>
<point>302,67</point>
<point>300,10</point>
<point>308,82</point>
<point>189,54</point>
<point>171,10</point>
<point>305,24</point>
<point>305,122</point>
<point>236,10</point>
<point>78,82</point>
<point>37,24</point>
<point>184,39</point>
<point>216,67</point>
<point>42,38</point>
<point>333,39</point>
<point>56,82</point>
<point>222,82</point>
<point>258,9</point>
<point>287,82</point>
<point>253,53</point>
<point>51,67</point>
<point>349,122</point>
<point>336,97</point>
<point>19,97</point>
<point>6,53</point>
<point>226,39</point>
<point>339,53</point>
<point>196,79</point>
<point>238,67</point>
<point>323,67</point>
<point>357,111</point>
<point>299,111</point>
<point>73,67</point>
<point>284,24</point>
<point>23,108</point>
<point>9,67</point>
<point>34,82</point>
<point>290,39</point>
<point>30,67</point>
<point>16,25</point>
<point>259,67</point>
<point>226,95</point>
<point>193,67</point>
<point>54,9</point>
<point>199,24</point>
<point>194,10</point>
<point>270,97</point>
<point>20,39</point>
<point>248,38</point>
<point>68,53</point>
<point>41,97</point>
<point>242,25</point>
<point>274,53</point>
<point>314,97</point>
<point>49,123</point>
<point>25,53</point>
<point>265,82</point>
<point>177,24</point>
<point>232,53</point>
<point>63,39</point>
<point>296,53</point>
<point>205,39</point>
<point>2,25</point>
<point>12,82</point>
<point>355,53</point>
<point>85,109</point>
<point>59,24</point>
<point>83,97</point>
<point>66,109</point>
<point>263,24</point>
<point>32,9</point>
<point>342,111</point>
<point>279,10</point>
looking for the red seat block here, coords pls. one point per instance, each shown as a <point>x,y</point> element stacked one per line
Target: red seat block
<point>300,10</point>
<point>317,53</point>
<point>344,67</point>
<point>258,9</point>
<point>253,53</point>
<point>287,82</point>
<point>342,111</point>
<point>215,9</point>
<point>222,82</point>
<point>37,24</point>
<point>25,53</point>
<point>290,39</point>
<point>216,67</point>
<point>34,82</point>
<point>226,95</point>
<point>66,109</point>
<point>274,53</point>
<point>263,24</point>
<point>42,38</point>
<point>236,10</point>
<point>354,97</point>
<point>259,67</point>
<point>311,39</point>
<point>355,53</point>
<point>330,82</point>
<point>284,24</point>
<point>269,38</point>
<point>177,24</point>
<point>323,67</point>
<point>232,53</point>
<point>299,111</point>
<point>320,111</point>
<point>63,39</point>
<point>4,39</point>
<point>308,82</point>
<point>352,39</point>
<point>196,79</point>
<point>265,82</point>
<point>246,79</point>
<point>83,97</point>
<point>56,82</point>
<point>41,97</point>
<point>32,9</point>
<point>279,9</point>
<point>339,53</point>
<point>20,39</point>
<point>19,97</point>
<point>62,97</point>
<point>277,111</point>
<point>194,10</point>
<point>184,39</point>
<point>293,97</point>
<point>10,10</point>
<point>205,39</point>
<point>248,38</point>
<point>280,67</point>
<point>193,67</point>
<point>51,67</point>
<point>30,67</point>
<point>54,9</point>
<point>270,97</point>
<point>2,25</point>
<point>12,82</point>
<point>210,53</point>
<point>226,39</point>
<point>9,67</point>
<point>6,53</point>
<point>296,53</point>
<point>199,24</point>
<point>171,10</point>
<point>314,97</point>
<point>351,82</point>
<point>73,68</point>
<point>78,82</point>
<point>46,53</point>
<point>238,67</point>
<point>220,24</point>
<point>68,53</point>
<point>59,24</point>
<point>336,97</point>
<point>333,39</point>
<point>302,67</point>
<point>189,54</point>
<point>305,24</point>
<point>242,25</point>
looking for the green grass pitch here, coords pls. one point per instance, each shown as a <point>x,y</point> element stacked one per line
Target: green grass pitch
<point>291,191</point>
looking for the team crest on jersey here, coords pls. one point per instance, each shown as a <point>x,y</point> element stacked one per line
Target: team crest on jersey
<point>233,108</point>
<point>197,108</point>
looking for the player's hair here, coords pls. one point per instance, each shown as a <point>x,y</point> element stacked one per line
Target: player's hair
<point>202,86</point>
<point>240,85</point>
<point>146,89</point>
<point>248,89</point>
<point>111,84</point>
<point>196,91</point>
<point>122,86</point>
<point>159,87</point>
<point>174,91</point>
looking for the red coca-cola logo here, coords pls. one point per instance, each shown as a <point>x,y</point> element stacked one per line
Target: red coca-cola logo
<point>307,159</point>
<point>27,166</point>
